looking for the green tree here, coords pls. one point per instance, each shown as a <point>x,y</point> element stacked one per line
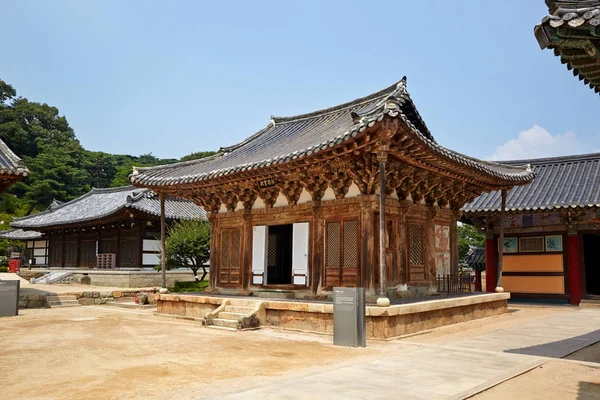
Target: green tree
<point>100,168</point>
<point>468,235</point>
<point>197,155</point>
<point>188,246</point>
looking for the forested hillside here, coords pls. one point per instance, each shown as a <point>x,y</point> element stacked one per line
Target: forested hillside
<point>60,168</point>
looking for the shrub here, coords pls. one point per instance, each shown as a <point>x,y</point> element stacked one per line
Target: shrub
<point>189,287</point>
<point>3,261</point>
<point>3,269</point>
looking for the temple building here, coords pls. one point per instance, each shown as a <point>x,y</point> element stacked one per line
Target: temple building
<point>12,168</point>
<point>552,239</point>
<point>104,228</point>
<point>299,206</point>
<point>572,30</point>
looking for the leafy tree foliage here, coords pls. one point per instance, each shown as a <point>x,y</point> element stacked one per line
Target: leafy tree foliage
<point>188,246</point>
<point>468,235</point>
<point>197,155</point>
<point>60,168</point>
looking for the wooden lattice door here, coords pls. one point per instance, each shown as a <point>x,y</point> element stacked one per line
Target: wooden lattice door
<point>230,255</point>
<point>416,253</point>
<point>341,249</point>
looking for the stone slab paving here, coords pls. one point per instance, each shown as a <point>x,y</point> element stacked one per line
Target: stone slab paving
<point>452,370</point>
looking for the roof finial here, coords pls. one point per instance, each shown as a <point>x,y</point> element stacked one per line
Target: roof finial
<point>528,167</point>
<point>273,120</point>
<point>402,84</point>
<point>355,117</point>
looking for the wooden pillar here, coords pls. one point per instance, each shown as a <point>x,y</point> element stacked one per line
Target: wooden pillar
<point>573,259</point>
<point>140,244</point>
<point>163,242</point>
<point>212,217</point>
<point>454,261</point>
<point>491,249</point>
<point>62,251</point>
<point>501,248</point>
<point>383,300</point>
<point>118,249</point>
<point>403,242</point>
<point>78,252</point>
<point>430,269</point>
<point>247,249</point>
<point>318,248</point>
<point>367,244</point>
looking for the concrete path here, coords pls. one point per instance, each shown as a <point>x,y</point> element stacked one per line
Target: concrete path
<point>451,370</point>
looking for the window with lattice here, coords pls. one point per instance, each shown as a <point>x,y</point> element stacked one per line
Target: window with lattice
<point>415,251</point>
<point>531,244</point>
<point>341,253</point>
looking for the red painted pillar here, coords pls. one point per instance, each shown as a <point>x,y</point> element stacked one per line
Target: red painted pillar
<point>573,258</point>
<point>491,248</point>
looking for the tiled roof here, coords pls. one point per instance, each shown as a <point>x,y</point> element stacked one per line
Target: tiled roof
<point>573,30</point>
<point>560,183</point>
<point>101,203</point>
<point>20,234</point>
<point>475,258</point>
<point>286,139</point>
<point>10,164</point>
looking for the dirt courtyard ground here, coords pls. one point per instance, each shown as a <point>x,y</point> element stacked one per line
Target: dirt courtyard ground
<point>112,353</point>
<point>103,352</point>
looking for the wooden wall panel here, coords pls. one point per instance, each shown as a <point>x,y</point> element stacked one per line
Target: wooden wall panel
<point>533,263</point>
<point>534,284</point>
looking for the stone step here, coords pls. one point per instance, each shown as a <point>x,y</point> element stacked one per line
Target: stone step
<point>63,303</point>
<point>593,303</point>
<point>238,309</point>
<point>222,328</point>
<point>231,315</point>
<point>61,297</point>
<point>226,323</point>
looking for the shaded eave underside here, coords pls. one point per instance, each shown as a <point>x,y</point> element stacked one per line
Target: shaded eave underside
<point>573,32</point>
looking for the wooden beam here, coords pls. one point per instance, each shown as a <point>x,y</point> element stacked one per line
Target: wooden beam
<point>163,242</point>
<point>501,246</point>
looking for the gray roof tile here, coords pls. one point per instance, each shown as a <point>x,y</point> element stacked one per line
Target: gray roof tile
<point>100,203</point>
<point>10,164</point>
<point>20,234</point>
<point>560,182</point>
<point>286,138</point>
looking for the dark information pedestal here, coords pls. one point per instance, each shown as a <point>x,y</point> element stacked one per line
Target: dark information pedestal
<point>349,323</point>
<point>9,298</point>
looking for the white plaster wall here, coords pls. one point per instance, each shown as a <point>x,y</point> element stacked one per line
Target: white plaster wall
<point>258,204</point>
<point>305,197</point>
<point>240,206</point>
<point>281,201</point>
<point>353,191</point>
<point>328,195</point>
<point>223,209</point>
<point>394,195</point>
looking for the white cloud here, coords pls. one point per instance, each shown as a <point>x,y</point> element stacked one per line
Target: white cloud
<point>537,142</point>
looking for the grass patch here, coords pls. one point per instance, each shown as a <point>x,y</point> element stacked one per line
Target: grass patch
<point>3,269</point>
<point>189,287</point>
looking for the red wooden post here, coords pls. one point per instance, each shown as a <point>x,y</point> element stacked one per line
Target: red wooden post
<point>573,258</point>
<point>490,264</point>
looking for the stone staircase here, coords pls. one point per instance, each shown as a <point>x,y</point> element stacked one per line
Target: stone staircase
<point>62,300</point>
<point>55,277</point>
<point>235,315</point>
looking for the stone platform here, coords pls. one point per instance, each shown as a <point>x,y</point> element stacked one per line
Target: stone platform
<point>382,322</point>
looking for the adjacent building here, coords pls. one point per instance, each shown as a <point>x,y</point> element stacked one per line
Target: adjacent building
<point>552,230</point>
<point>105,228</point>
<point>572,31</point>
<point>12,168</point>
<point>359,194</point>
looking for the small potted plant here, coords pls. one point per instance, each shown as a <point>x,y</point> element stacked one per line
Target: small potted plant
<point>142,298</point>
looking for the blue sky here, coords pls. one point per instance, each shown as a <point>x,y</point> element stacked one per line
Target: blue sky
<point>173,77</point>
